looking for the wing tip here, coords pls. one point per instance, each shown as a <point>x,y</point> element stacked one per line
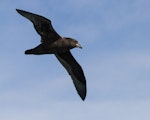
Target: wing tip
<point>19,11</point>
<point>22,12</point>
<point>83,96</point>
<point>82,92</point>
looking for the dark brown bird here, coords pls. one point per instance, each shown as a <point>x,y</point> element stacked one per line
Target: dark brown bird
<point>53,43</point>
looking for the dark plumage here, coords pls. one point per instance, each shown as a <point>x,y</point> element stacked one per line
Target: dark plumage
<point>53,43</point>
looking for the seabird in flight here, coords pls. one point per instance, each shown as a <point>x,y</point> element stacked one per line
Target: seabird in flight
<point>53,43</point>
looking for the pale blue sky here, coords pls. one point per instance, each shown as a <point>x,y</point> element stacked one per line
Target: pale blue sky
<point>115,36</point>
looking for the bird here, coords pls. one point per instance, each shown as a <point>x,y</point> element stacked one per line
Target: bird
<point>53,43</point>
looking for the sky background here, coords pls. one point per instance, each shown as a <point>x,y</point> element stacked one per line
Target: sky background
<point>115,35</point>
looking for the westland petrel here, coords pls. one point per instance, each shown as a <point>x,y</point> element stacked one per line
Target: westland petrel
<point>53,43</point>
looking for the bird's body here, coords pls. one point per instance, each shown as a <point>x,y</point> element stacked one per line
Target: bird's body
<point>62,45</point>
<point>53,43</point>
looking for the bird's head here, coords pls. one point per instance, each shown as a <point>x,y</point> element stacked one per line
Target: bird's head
<point>74,43</point>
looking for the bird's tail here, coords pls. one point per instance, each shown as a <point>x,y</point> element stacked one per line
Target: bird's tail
<point>39,50</point>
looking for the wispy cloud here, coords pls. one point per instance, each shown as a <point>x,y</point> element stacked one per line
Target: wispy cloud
<point>102,110</point>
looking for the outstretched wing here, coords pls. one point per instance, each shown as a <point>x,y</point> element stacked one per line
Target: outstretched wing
<point>42,25</point>
<point>75,71</point>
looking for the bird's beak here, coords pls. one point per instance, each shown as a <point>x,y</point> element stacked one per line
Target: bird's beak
<point>78,45</point>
